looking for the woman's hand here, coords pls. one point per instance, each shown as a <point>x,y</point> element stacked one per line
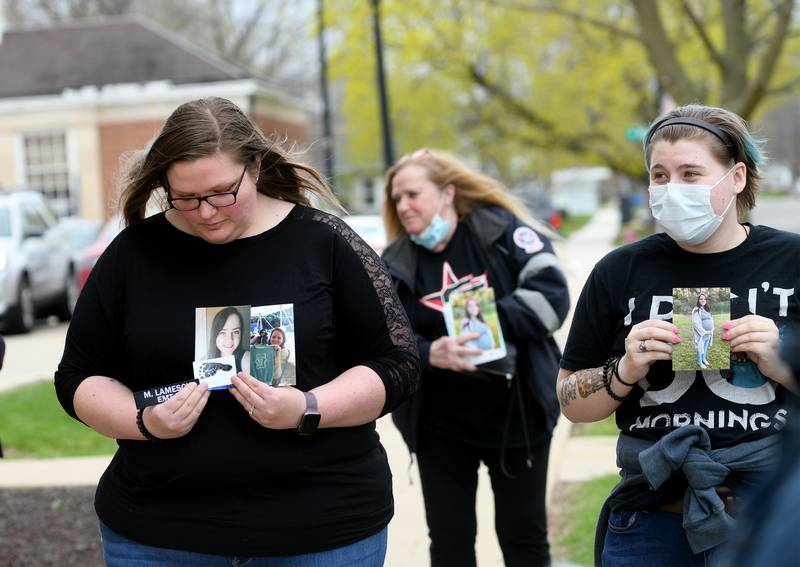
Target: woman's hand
<point>274,408</point>
<point>176,417</point>
<point>646,343</point>
<point>758,337</point>
<point>448,352</point>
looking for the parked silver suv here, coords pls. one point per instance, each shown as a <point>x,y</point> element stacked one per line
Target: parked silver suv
<point>36,271</point>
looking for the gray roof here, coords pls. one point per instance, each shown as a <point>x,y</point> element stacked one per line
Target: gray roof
<point>47,60</point>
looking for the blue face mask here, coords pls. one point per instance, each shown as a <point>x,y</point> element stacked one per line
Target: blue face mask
<point>434,234</point>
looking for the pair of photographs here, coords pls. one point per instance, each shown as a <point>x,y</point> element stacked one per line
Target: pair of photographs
<point>242,338</point>
<point>475,311</point>
<point>699,314</point>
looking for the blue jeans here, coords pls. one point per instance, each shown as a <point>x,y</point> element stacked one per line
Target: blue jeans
<point>652,539</point>
<point>119,551</point>
<point>702,352</point>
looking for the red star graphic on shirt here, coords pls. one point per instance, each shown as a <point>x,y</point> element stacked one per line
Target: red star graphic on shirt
<point>450,284</point>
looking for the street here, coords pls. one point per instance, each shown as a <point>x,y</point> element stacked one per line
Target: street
<point>778,212</point>
<point>33,356</point>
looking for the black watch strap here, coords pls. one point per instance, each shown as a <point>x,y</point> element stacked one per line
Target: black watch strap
<point>309,422</point>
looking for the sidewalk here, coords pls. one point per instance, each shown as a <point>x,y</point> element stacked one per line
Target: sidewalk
<point>571,459</point>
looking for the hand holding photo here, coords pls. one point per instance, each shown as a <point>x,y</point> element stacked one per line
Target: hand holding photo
<point>699,314</point>
<point>475,311</point>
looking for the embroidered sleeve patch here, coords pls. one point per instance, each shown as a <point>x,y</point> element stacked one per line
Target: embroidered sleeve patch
<point>527,239</point>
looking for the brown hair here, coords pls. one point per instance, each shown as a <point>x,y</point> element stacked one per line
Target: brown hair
<point>472,189</point>
<point>202,128</point>
<point>743,147</point>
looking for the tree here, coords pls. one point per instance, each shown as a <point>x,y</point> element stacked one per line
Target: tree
<point>264,36</point>
<point>528,86</point>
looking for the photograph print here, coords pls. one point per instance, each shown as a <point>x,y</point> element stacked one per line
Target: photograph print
<point>699,314</point>
<point>220,344</point>
<point>475,311</point>
<point>272,352</point>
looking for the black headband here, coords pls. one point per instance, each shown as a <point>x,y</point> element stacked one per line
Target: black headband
<point>708,127</point>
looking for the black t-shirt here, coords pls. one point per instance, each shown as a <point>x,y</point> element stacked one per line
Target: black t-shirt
<point>456,405</point>
<point>231,486</point>
<point>634,283</point>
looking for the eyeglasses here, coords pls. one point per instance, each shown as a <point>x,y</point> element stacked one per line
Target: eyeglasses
<point>216,200</point>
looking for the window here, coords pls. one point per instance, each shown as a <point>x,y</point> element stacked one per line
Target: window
<point>47,170</point>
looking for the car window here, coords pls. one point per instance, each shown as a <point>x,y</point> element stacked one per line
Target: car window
<point>32,219</point>
<point>5,222</point>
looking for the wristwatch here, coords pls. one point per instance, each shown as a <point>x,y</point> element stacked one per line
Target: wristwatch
<point>310,420</point>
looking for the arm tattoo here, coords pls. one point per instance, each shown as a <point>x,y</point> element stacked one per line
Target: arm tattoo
<point>584,382</point>
<point>568,391</point>
<point>589,381</point>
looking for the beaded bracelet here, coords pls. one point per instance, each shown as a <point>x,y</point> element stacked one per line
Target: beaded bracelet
<point>616,374</point>
<point>607,380</point>
<point>142,429</point>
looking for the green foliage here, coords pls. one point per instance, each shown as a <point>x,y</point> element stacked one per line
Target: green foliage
<point>33,425</point>
<point>582,509</point>
<point>603,428</point>
<point>522,88</point>
<point>445,61</point>
<point>684,299</point>
<point>571,223</point>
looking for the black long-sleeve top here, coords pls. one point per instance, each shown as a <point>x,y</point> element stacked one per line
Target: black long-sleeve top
<point>231,486</point>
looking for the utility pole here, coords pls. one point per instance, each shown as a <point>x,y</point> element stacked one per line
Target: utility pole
<point>327,128</point>
<point>386,125</point>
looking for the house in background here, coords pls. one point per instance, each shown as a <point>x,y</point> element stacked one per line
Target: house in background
<point>75,97</point>
<point>580,190</point>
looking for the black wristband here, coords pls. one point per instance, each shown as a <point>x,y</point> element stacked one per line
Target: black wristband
<point>616,374</point>
<point>607,380</point>
<point>142,429</point>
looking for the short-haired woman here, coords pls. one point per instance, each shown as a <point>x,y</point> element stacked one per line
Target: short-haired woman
<point>691,442</point>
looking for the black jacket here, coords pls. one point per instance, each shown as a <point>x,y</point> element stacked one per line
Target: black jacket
<point>532,301</point>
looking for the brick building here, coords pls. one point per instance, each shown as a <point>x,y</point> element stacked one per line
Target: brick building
<point>74,97</point>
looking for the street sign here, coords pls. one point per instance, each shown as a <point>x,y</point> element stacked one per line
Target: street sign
<point>636,132</point>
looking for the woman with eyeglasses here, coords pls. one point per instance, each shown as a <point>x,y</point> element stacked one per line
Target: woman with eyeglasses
<point>450,227</point>
<point>691,443</point>
<point>257,474</point>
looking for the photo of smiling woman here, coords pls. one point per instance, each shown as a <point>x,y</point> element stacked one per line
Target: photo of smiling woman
<point>225,336</point>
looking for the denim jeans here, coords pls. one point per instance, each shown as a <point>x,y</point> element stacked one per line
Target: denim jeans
<point>119,551</point>
<point>651,539</point>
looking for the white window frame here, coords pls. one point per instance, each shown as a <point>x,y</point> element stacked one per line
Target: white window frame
<point>61,205</point>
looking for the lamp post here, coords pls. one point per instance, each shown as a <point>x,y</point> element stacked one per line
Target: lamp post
<point>327,129</point>
<point>386,125</point>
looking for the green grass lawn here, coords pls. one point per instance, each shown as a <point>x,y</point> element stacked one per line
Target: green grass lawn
<point>33,425</point>
<point>571,223</point>
<point>575,518</point>
<point>604,427</point>
<point>685,356</point>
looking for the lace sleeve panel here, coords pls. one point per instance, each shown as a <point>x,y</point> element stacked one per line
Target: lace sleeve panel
<point>399,367</point>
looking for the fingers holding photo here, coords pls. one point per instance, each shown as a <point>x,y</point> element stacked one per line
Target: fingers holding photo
<point>751,328</point>
<point>274,408</point>
<point>652,336</point>
<point>448,352</point>
<point>176,417</point>
<point>646,343</point>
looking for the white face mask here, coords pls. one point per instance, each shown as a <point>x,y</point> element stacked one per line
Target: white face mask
<point>684,210</point>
